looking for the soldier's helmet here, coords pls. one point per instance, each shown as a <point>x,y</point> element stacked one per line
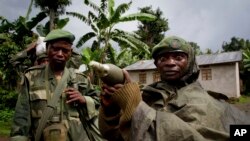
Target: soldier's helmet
<point>171,44</point>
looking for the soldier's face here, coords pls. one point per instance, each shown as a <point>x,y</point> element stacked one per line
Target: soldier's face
<point>172,65</point>
<point>59,52</point>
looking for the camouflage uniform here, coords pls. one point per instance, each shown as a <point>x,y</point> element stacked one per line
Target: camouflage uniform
<point>37,91</point>
<point>183,111</point>
<point>75,60</point>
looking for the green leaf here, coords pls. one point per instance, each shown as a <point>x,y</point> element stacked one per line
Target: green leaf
<point>85,38</point>
<point>62,22</point>
<point>79,16</point>
<point>122,8</point>
<point>138,16</point>
<point>111,4</point>
<point>93,5</point>
<point>35,20</point>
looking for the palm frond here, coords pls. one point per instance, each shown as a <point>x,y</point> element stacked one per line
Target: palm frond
<point>103,22</point>
<point>138,16</point>
<point>111,4</point>
<point>246,54</point>
<point>93,5</point>
<point>35,20</point>
<point>143,46</point>
<point>85,38</point>
<point>79,16</point>
<point>131,39</point>
<point>121,54</point>
<point>86,55</point>
<point>62,22</point>
<point>119,11</point>
<point>121,39</point>
<point>129,33</point>
<point>111,53</point>
<point>91,15</point>
<point>103,5</point>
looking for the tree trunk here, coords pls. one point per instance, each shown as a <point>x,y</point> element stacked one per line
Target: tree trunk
<point>52,19</point>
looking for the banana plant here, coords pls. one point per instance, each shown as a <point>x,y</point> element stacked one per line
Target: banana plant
<point>103,27</point>
<point>246,59</point>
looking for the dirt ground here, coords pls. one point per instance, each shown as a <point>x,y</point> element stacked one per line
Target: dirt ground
<point>244,107</point>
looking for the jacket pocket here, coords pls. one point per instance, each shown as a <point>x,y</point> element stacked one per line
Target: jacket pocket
<point>38,100</point>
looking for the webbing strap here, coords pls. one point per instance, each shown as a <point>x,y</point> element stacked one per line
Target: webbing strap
<point>51,106</point>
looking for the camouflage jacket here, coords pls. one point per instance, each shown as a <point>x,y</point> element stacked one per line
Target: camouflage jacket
<point>33,98</point>
<point>176,114</point>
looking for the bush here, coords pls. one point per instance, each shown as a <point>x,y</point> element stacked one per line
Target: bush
<point>6,115</point>
<point>8,99</point>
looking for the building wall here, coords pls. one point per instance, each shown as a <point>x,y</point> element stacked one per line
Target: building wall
<point>149,73</point>
<point>224,79</point>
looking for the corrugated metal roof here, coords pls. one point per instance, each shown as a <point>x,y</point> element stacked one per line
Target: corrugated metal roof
<point>142,65</point>
<point>219,58</point>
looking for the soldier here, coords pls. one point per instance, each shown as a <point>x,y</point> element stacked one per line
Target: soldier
<point>42,59</point>
<point>54,99</point>
<point>176,108</point>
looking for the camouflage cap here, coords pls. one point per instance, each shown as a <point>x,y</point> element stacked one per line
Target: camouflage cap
<point>59,34</point>
<point>171,44</point>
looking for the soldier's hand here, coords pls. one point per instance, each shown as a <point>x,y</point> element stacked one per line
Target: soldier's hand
<point>31,48</point>
<point>127,76</point>
<point>107,90</point>
<point>73,95</point>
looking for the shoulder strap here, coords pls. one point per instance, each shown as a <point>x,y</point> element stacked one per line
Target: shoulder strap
<point>51,106</point>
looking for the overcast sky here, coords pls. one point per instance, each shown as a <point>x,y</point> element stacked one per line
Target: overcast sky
<point>207,22</point>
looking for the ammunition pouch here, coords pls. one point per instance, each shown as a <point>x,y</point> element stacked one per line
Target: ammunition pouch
<point>55,132</point>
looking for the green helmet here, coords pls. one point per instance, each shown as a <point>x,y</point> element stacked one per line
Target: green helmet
<point>59,34</point>
<point>171,44</point>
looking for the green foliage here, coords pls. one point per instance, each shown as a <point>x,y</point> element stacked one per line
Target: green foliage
<point>246,59</point>
<point>125,58</point>
<point>7,105</point>
<point>5,127</point>
<point>8,99</point>
<point>89,55</point>
<point>196,48</point>
<point>14,38</point>
<point>6,115</point>
<point>236,44</point>
<point>103,27</point>
<point>244,99</point>
<point>57,5</point>
<point>152,32</point>
<point>53,9</point>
